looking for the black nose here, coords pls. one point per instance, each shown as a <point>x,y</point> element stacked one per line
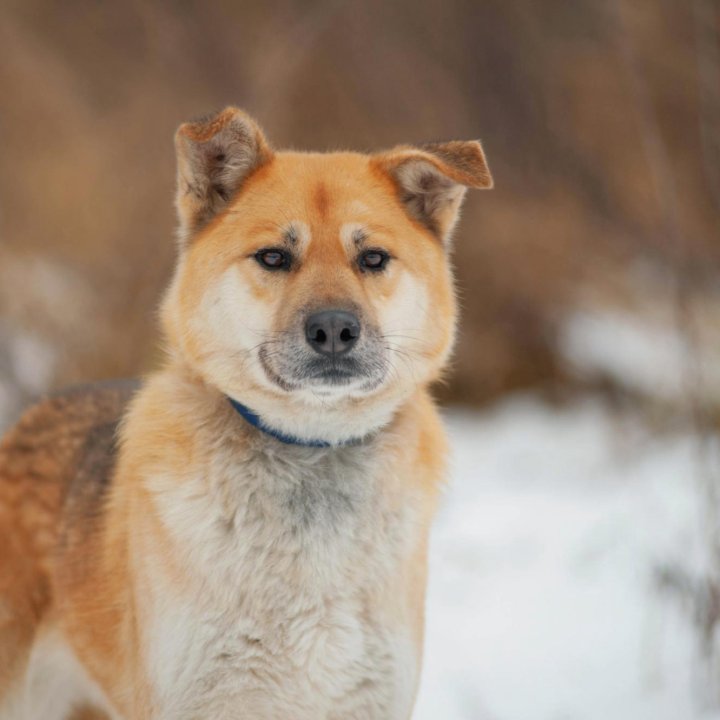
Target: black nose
<point>332,332</point>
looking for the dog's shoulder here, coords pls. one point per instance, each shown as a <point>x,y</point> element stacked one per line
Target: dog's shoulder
<point>57,457</point>
<point>58,435</point>
<point>60,451</point>
<point>101,409</point>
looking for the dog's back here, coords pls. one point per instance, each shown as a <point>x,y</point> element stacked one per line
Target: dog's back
<point>55,463</point>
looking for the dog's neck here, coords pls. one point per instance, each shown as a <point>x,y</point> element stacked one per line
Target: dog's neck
<point>241,480</point>
<point>256,421</point>
<point>305,419</point>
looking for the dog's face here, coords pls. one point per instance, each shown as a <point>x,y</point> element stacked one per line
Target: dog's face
<point>315,288</point>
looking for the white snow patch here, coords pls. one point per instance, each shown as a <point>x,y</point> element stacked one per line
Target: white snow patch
<point>33,362</point>
<point>654,359</point>
<point>27,363</point>
<point>541,602</point>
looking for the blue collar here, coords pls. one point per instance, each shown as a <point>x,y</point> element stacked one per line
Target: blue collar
<point>255,421</point>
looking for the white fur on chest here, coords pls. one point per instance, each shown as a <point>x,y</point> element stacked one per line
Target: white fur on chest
<point>288,552</point>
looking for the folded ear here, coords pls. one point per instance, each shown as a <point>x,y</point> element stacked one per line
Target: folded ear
<point>214,156</point>
<point>432,180</point>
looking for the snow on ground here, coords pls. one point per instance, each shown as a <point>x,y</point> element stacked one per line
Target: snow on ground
<point>542,603</point>
<point>652,358</point>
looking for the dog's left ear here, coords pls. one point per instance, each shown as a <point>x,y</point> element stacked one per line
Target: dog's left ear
<point>214,156</point>
<point>432,180</point>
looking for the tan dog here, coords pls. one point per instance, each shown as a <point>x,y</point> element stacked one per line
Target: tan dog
<point>255,546</point>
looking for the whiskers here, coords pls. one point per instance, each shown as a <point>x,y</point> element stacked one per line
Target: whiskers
<point>383,359</point>
<point>419,347</point>
<point>406,359</point>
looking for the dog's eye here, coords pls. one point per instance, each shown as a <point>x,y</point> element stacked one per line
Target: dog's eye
<point>373,260</point>
<point>273,259</point>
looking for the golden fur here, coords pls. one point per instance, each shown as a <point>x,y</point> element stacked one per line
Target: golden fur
<point>208,569</point>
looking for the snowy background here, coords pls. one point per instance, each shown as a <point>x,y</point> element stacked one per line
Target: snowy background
<point>544,602</point>
<point>549,596</point>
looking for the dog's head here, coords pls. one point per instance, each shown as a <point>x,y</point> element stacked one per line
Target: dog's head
<point>315,288</point>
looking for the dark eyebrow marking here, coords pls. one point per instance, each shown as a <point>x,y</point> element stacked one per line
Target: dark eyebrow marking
<point>291,235</point>
<point>359,236</point>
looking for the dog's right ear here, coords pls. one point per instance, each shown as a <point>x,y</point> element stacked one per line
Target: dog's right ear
<point>214,156</point>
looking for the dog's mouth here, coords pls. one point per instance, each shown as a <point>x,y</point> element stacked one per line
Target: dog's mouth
<point>295,370</point>
<point>338,372</point>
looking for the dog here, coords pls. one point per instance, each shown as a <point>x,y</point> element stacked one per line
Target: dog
<point>244,534</point>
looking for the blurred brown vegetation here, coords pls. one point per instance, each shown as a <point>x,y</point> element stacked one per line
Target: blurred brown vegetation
<point>600,121</point>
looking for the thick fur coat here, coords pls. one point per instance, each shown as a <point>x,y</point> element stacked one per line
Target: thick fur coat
<point>162,558</point>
